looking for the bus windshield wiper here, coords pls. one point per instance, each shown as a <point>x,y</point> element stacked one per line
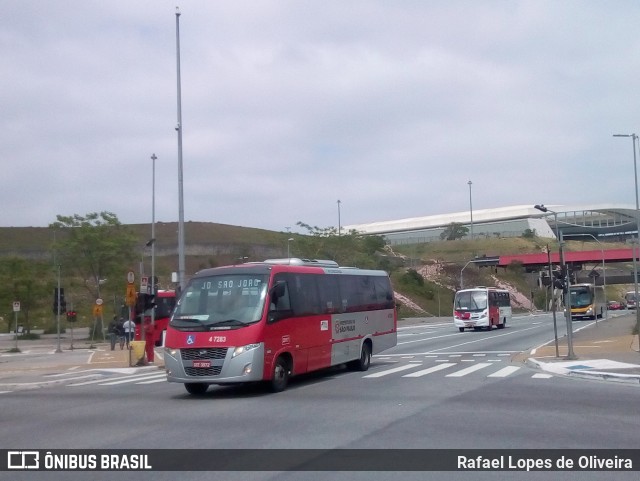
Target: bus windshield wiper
<point>177,321</point>
<point>227,322</point>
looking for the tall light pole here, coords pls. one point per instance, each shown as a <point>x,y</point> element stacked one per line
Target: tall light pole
<point>470,208</point>
<point>180,191</point>
<point>288,248</point>
<point>339,227</point>
<point>553,302</point>
<point>634,138</point>
<point>462,270</point>
<point>153,234</point>
<point>567,282</point>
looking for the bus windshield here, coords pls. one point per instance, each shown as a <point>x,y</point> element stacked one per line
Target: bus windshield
<point>221,302</point>
<point>471,300</point>
<point>581,297</point>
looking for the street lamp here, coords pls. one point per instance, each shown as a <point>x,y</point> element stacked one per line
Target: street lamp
<point>153,234</point>
<point>288,248</point>
<point>567,297</point>
<point>553,302</point>
<point>470,208</point>
<point>181,259</point>
<point>634,138</point>
<point>339,227</point>
<point>462,270</point>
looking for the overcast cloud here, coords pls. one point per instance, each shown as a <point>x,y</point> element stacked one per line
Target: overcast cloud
<point>288,106</point>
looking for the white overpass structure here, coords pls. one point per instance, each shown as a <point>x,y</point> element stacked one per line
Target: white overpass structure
<point>595,219</point>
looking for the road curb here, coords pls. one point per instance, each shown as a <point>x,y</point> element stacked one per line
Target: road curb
<point>633,379</point>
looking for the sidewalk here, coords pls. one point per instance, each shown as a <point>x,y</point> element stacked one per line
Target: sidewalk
<point>606,350</point>
<point>39,362</point>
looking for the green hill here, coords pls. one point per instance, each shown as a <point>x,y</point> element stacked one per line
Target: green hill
<point>425,276</point>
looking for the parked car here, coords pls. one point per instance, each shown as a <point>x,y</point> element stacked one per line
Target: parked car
<point>615,305</point>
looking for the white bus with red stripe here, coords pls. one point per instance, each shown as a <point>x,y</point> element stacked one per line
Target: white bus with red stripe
<point>271,320</point>
<point>481,308</point>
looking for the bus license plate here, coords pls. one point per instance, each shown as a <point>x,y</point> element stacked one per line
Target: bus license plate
<point>201,363</point>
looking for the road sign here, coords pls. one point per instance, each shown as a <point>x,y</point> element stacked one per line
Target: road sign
<point>16,306</point>
<point>131,277</point>
<point>130,298</point>
<point>144,283</point>
<point>97,310</point>
<point>99,301</point>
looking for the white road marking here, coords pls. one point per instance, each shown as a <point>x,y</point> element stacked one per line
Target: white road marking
<point>469,370</point>
<point>429,370</point>
<point>505,371</point>
<point>391,371</point>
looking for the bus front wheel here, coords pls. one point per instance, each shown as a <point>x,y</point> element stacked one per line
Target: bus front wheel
<point>280,377</point>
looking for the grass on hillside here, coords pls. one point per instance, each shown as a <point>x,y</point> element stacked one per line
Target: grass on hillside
<point>219,244</point>
<point>452,256</point>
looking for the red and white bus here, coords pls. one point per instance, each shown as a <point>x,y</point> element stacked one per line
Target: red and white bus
<point>164,302</point>
<point>268,321</point>
<point>481,307</point>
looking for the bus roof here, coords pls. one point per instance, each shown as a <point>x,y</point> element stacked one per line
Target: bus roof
<point>290,265</point>
<point>294,261</point>
<point>484,288</point>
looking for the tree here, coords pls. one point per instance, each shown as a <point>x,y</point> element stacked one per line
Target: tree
<point>348,249</point>
<point>454,231</point>
<point>94,248</point>
<point>26,281</point>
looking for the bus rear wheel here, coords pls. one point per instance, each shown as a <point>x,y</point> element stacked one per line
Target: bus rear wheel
<point>280,377</point>
<point>196,388</point>
<point>364,362</point>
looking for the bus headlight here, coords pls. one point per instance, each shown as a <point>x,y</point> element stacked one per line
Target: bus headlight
<point>242,349</point>
<point>171,351</point>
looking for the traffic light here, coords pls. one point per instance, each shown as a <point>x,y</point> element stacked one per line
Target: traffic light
<point>63,303</point>
<point>72,316</point>
<point>559,278</point>
<point>149,302</point>
<point>144,302</point>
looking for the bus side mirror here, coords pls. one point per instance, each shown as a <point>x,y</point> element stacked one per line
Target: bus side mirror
<point>277,291</point>
<point>275,294</point>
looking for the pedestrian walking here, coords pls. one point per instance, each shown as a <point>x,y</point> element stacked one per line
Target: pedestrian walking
<point>149,339</point>
<point>129,331</point>
<point>120,333</point>
<point>113,332</point>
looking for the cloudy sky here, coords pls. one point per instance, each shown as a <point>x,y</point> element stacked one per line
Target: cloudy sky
<point>288,106</point>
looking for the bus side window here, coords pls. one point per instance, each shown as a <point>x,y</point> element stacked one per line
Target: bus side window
<point>304,294</point>
<point>384,293</point>
<point>329,294</point>
<point>279,302</point>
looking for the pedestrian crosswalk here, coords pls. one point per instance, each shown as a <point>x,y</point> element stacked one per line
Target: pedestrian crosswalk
<point>146,378</point>
<point>451,366</point>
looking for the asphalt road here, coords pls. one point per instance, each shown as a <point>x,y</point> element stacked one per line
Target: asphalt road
<point>481,398</point>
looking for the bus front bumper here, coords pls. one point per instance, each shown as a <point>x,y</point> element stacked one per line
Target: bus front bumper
<point>194,365</point>
<point>480,321</point>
